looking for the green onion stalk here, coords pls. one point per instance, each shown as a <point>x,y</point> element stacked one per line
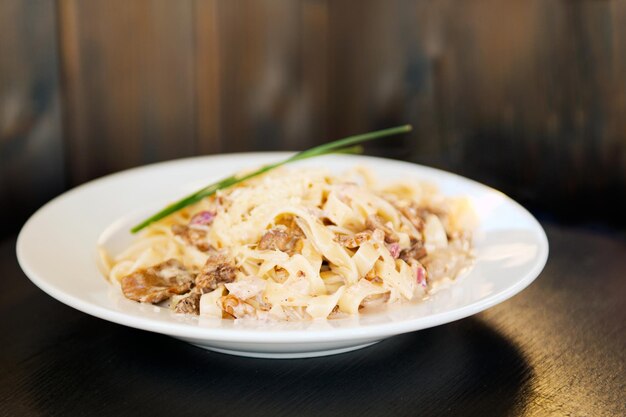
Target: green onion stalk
<point>348,145</point>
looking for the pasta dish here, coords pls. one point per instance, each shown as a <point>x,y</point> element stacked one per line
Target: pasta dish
<point>299,244</point>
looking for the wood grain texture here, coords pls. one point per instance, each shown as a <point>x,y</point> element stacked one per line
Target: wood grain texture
<point>208,25</point>
<point>367,66</point>
<point>557,348</point>
<point>527,96</point>
<point>314,91</point>
<point>261,74</point>
<point>31,148</point>
<point>129,83</point>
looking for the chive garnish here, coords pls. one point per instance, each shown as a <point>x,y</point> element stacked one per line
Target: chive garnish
<point>345,145</point>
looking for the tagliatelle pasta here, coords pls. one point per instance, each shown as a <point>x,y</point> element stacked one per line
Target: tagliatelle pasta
<point>298,244</point>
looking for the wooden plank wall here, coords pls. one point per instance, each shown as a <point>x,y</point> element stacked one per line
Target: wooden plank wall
<point>128,76</point>
<point>31,148</point>
<point>526,95</point>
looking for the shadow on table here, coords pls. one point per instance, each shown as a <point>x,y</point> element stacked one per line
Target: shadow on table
<point>463,368</point>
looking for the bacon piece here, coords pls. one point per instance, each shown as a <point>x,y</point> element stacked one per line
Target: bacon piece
<point>417,251</point>
<point>281,238</point>
<point>394,250</point>
<point>203,218</point>
<point>421,276</point>
<point>192,236</point>
<point>218,269</point>
<point>189,305</point>
<point>375,222</point>
<point>157,283</point>
<point>414,214</point>
<point>417,215</point>
<point>355,240</point>
<point>275,239</point>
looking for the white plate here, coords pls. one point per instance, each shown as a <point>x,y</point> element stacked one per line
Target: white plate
<point>57,250</point>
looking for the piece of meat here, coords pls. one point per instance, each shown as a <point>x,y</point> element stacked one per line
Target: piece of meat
<point>236,308</point>
<point>193,236</point>
<point>394,250</point>
<point>204,218</point>
<point>158,282</point>
<point>375,222</point>
<point>417,215</point>
<point>218,269</point>
<point>417,251</point>
<point>421,276</point>
<point>275,239</point>
<point>189,305</point>
<point>281,238</point>
<point>355,240</point>
<point>414,214</point>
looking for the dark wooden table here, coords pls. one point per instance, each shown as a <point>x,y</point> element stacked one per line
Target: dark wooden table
<point>558,348</point>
